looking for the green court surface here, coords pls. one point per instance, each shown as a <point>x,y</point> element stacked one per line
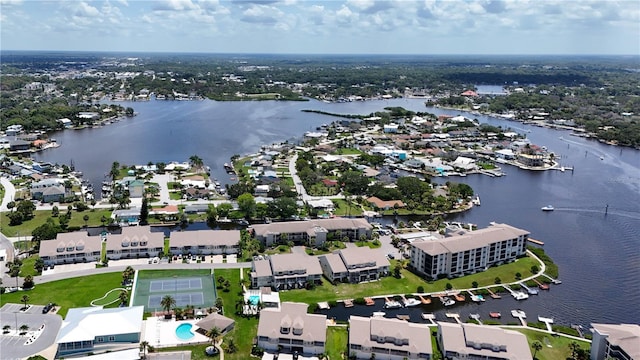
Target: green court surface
<point>187,287</point>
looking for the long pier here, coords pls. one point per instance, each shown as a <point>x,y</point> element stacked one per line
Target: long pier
<point>555,281</point>
<point>537,242</point>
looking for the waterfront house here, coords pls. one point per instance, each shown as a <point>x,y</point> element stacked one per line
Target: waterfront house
<point>95,329</point>
<point>204,242</point>
<point>194,193</point>
<point>468,252</point>
<point>385,205</point>
<point>126,216</point>
<point>615,341</point>
<point>314,232</point>
<point>290,329</point>
<point>19,145</point>
<point>134,242</point>
<point>473,341</point>
<point>391,339</point>
<point>70,248</point>
<point>285,271</point>
<point>354,265</point>
<point>54,194</point>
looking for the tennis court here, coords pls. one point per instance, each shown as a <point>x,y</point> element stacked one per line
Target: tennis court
<point>187,287</point>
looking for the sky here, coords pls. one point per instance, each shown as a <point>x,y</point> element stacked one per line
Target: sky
<point>541,27</point>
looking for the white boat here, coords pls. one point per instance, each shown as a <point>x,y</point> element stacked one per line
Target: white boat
<point>447,301</point>
<point>428,316</point>
<point>379,314</point>
<point>392,304</point>
<point>518,314</point>
<point>477,298</point>
<point>520,295</point>
<point>547,208</point>
<point>476,201</point>
<point>411,302</point>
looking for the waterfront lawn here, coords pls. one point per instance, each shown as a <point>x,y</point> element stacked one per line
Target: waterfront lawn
<point>246,328</point>
<point>337,340</point>
<point>68,293</point>
<point>342,208</point>
<point>41,216</point>
<point>559,345</point>
<point>407,284</point>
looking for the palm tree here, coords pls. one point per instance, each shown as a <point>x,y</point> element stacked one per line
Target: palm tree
<point>196,162</point>
<point>25,300</point>
<point>537,346</point>
<point>214,334</point>
<point>23,329</point>
<point>124,297</point>
<point>143,348</point>
<point>167,303</point>
<point>231,346</point>
<point>574,347</point>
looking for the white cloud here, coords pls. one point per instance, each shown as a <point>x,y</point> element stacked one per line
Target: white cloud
<point>175,5</point>
<point>85,10</point>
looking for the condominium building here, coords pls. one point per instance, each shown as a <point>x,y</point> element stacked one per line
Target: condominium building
<point>469,252</point>
<point>70,248</point>
<point>471,341</point>
<point>355,265</point>
<point>615,341</point>
<point>134,242</point>
<point>285,271</point>
<point>204,242</point>
<point>390,339</point>
<point>313,232</point>
<point>290,329</point>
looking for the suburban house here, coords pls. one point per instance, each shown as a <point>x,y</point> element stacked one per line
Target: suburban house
<point>315,232</point>
<point>290,329</point>
<point>469,252</point>
<point>391,339</point>
<point>385,205</point>
<point>134,242</point>
<point>285,271</point>
<point>53,194</point>
<point>354,265</point>
<point>204,242</point>
<point>129,216</point>
<point>92,329</point>
<point>41,189</point>
<point>615,341</point>
<point>471,341</point>
<point>69,248</point>
<point>194,193</point>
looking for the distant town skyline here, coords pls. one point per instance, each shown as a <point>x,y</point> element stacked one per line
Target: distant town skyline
<point>492,27</point>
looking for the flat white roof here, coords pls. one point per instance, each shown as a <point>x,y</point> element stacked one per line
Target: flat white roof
<point>84,324</point>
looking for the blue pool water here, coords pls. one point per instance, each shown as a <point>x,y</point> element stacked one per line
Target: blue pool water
<point>254,299</point>
<point>183,332</point>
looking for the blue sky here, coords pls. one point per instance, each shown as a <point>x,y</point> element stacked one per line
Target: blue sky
<point>324,27</point>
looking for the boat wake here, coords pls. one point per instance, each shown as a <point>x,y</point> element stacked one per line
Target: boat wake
<point>622,213</point>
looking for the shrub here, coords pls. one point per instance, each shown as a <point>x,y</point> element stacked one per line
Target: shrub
<point>420,289</point>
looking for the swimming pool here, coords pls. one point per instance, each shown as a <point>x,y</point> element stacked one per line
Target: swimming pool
<point>254,299</point>
<point>183,331</point>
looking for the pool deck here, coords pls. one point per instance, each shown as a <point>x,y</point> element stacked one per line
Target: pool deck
<point>162,333</point>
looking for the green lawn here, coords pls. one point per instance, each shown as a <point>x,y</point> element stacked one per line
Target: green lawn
<point>407,284</point>
<point>559,345</point>
<point>41,217</point>
<point>27,267</point>
<point>341,208</point>
<point>68,293</point>
<point>337,341</point>
<point>245,329</point>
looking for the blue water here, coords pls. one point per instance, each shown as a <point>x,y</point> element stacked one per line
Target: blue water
<point>183,332</point>
<point>254,299</point>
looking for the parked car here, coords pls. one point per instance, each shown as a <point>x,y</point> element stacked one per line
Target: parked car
<point>47,308</point>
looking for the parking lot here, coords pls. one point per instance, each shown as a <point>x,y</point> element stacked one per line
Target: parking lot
<point>41,333</point>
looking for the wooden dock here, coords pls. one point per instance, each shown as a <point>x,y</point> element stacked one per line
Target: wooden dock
<point>454,316</point>
<point>424,300</point>
<point>534,241</point>
<point>493,295</point>
<point>460,297</point>
<point>541,285</point>
<point>555,281</point>
<point>369,301</point>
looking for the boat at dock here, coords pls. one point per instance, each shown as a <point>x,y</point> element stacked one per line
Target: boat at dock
<point>424,300</point>
<point>518,314</point>
<point>411,302</point>
<point>520,295</point>
<point>348,303</point>
<point>460,297</point>
<point>447,301</point>
<point>476,200</point>
<point>392,304</point>
<point>495,315</point>
<point>379,314</point>
<point>369,301</point>
<point>547,208</point>
<point>477,298</point>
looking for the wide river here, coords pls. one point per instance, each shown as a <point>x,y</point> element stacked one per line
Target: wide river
<point>598,253</point>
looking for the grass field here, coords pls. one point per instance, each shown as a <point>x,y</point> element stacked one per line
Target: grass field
<point>558,345</point>
<point>337,340</point>
<point>68,293</point>
<point>407,284</point>
<point>41,216</point>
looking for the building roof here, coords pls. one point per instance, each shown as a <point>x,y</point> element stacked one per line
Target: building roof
<point>385,204</point>
<point>205,237</point>
<point>303,226</point>
<point>262,268</point>
<point>363,256</point>
<point>471,240</point>
<point>77,242</point>
<point>625,336</point>
<point>489,341</point>
<point>335,263</point>
<point>294,317</point>
<point>84,324</point>
<point>133,234</point>
<point>295,262</point>
<point>215,320</point>
<point>397,334</point>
